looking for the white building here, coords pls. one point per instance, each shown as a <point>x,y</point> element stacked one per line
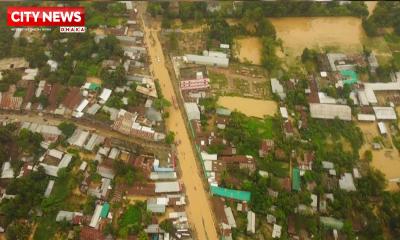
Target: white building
<point>385,113</point>
<point>330,111</point>
<point>210,60</point>
<point>192,111</point>
<point>346,182</point>
<point>277,88</point>
<point>382,128</point>
<point>251,222</point>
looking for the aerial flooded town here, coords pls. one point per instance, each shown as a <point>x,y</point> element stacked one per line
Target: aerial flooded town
<point>206,120</point>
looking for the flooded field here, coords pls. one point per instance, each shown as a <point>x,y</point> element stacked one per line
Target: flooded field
<point>297,33</point>
<point>250,107</point>
<point>386,160</point>
<point>249,49</point>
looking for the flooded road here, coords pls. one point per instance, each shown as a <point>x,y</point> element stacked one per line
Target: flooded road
<point>199,209</point>
<point>248,106</point>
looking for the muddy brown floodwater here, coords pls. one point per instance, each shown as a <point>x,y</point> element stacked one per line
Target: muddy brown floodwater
<point>386,160</point>
<point>298,33</point>
<point>248,106</point>
<point>199,209</point>
<point>249,49</point>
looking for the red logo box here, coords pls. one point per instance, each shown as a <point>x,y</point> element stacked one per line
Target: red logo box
<point>45,16</point>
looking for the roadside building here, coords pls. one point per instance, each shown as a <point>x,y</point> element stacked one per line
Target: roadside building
<point>192,111</point>
<point>78,138</point>
<point>94,141</point>
<point>157,205</point>
<point>216,60</point>
<point>167,187</point>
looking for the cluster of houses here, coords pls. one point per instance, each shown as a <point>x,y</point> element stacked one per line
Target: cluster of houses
<point>91,98</point>
<point>374,101</point>
<point>162,187</point>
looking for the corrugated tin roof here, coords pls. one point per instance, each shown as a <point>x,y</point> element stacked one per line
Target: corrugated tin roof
<point>330,111</point>
<point>165,187</point>
<point>385,113</point>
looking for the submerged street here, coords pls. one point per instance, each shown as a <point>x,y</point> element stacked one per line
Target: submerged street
<point>199,210</point>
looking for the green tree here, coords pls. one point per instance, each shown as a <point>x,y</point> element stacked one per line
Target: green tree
<point>161,103</point>
<point>29,142</point>
<point>67,128</point>
<point>18,231</point>
<point>170,138</point>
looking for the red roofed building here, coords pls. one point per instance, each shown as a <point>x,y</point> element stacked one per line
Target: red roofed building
<point>88,233</point>
<point>288,128</point>
<point>244,162</point>
<point>306,162</point>
<point>266,146</point>
<point>73,98</point>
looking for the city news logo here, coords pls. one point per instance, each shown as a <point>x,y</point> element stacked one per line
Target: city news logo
<point>69,19</point>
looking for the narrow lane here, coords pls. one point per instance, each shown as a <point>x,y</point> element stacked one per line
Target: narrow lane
<point>199,209</point>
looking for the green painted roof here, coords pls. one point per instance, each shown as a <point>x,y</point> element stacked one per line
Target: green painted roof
<point>350,75</point>
<point>94,86</point>
<point>296,179</point>
<point>230,193</point>
<point>105,210</point>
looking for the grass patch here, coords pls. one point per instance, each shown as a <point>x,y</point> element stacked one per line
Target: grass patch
<point>277,168</point>
<point>261,128</point>
<point>218,78</point>
<point>93,70</point>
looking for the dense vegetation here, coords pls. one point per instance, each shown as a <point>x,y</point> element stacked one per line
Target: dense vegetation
<point>386,14</point>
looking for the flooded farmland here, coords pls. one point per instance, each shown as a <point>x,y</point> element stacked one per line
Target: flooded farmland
<point>297,33</point>
<point>248,106</point>
<point>249,49</point>
<point>386,160</point>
